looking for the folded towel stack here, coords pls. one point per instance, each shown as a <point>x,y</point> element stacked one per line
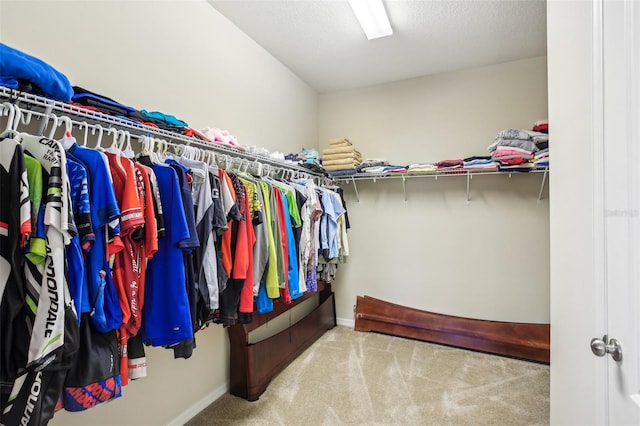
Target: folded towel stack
<point>341,155</point>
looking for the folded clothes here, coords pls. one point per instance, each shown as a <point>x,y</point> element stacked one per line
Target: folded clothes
<point>340,162</point>
<point>425,168</point>
<point>527,145</point>
<point>506,154</point>
<point>513,134</point>
<point>16,66</point>
<point>332,157</point>
<point>479,163</point>
<point>504,148</point>
<point>308,154</point>
<point>314,167</point>
<point>339,167</point>
<point>449,163</point>
<point>188,131</point>
<point>513,161</point>
<point>384,169</point>
<point>345,172</point>
<point>371,163</point>
<point>542,145</point>
<point>339,150</point>
<point>86,97</point>
<point>458,168</point>
<point>340,142</point>
<point>421,165</point>
<point>543,127</point>
<point>540,137</point>
<point>478,157</point>
<point>166,118</point>
<point>524,167</point>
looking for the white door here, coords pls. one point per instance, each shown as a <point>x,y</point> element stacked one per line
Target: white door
<point>621,208</point>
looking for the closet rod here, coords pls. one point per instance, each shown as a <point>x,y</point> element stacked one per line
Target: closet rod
<point>23,117</point>
<point>60,108</point>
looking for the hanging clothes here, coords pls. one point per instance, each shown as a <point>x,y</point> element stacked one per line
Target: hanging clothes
<point>167,318</point>
<point>155,250</point>
<point>44,314</point>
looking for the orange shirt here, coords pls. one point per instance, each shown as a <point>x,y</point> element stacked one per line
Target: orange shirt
<point>227,258</point>
<point>128,262</point>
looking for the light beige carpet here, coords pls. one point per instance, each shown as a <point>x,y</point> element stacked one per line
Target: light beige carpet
<point>353,378</point>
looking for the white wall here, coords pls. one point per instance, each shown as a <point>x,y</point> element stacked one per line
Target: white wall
<point>574,391</point>
<point>185,59</point>
<point>181,57</point>
<point>486,260</point>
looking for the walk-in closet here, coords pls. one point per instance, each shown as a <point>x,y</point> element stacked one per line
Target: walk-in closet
<point>413,229</point>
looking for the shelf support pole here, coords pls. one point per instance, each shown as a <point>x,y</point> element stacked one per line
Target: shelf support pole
<point>544,178</point>
<point>355,188</point>
<point>468,186</point>
<point>404,188</point>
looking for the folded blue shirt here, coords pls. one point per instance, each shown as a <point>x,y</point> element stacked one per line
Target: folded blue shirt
<point>169,119</point>
<point>16,65</point>
<point>86,97</point>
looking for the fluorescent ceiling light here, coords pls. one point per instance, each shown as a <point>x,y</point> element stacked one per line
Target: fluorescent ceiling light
<point>372,17</point>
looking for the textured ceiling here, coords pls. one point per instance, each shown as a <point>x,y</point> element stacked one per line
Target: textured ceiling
<point>323,44</point>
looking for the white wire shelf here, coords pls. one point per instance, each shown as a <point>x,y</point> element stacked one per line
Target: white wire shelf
<point>468,174</point>
<point>34,102</point>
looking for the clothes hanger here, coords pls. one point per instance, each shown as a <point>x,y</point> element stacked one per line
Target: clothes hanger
<point>153,155</point>
<point>160,151</point>
<point>227,160</point>
<point>99,140</point>
<point>84,125</point>
<point>25,120</point>
<point>211,159</point>
<point>237,168</point>
<point>165,149</point>
<point>257,167</point>
<point>150,145</point>
<point>267,170</point>
<point>67,140</point>
<point>54,127</point>
<point>128,150</point>
<point>181,150</point>
<point>10,110</point>
<point>144,139</point>
<point>115,144</point>
<point>189,152</point>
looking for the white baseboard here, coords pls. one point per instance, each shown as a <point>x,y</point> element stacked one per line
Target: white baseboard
<point>203,403</point>
<point>345,322</point>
